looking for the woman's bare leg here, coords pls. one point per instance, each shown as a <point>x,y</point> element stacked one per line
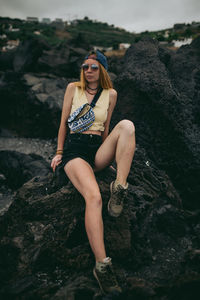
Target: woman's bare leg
<point>119,145</point>
<point>82,177</point>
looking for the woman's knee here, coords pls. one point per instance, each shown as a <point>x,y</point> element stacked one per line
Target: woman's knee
<point>93,198</point>
<point>127,126</point>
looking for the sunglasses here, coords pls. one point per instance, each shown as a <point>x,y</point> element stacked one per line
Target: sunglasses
<point>93,67</point>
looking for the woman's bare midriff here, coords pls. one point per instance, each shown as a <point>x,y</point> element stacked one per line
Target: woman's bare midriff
<point>90,132</point>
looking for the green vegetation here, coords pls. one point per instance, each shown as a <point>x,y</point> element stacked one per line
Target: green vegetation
<point>89,32</point>
<point>100,34</point>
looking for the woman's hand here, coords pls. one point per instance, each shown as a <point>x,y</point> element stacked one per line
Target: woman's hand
<point>56,161</point>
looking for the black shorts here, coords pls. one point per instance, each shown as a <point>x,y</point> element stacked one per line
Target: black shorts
<point>81,145</point>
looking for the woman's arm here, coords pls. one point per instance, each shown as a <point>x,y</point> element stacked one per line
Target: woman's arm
<point>66,109</point>
<point>112,103</point>
<point>67,104</point>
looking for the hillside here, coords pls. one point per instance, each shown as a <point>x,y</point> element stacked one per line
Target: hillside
<point>88,32</point>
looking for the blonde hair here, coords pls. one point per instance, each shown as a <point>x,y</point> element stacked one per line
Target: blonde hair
<point>104,79</point>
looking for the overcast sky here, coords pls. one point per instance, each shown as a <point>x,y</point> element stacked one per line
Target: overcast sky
<point>132,15</point>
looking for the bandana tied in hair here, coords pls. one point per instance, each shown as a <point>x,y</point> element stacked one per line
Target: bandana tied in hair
<point>100,57</point>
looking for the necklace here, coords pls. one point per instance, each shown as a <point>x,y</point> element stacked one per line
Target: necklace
<point>91,88</point>
<point>90,93</point>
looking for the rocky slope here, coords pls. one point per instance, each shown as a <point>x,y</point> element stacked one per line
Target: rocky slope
<point>155,244</point>
<point>159,90</point>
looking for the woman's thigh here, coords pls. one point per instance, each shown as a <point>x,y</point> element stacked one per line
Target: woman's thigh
<point>82,177</point>
<point>106,152</point>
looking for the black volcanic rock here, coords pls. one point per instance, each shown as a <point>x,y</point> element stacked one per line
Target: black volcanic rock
<point>36,55</point>
<point>19,168</point>
<point>45,252</point>
<point>31,104</point>
<point>153,95</point>
<point>27,54</point>
<point>6,60</point>
<point>155,244</point>
<point>62,61</point>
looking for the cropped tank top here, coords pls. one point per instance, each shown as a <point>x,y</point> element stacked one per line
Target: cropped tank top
<point>100,109</point>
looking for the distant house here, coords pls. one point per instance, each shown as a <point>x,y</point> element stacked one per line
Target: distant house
<point>102,48</point>
<point>58,20</point>
<point>98,48</point>
<point>11,44</point>
<point>12,29</point>
<point>32,19</point>
<point>180,43</point>
<point>195,24</point>
<point>37,32</point>
<point>46,20</point>
<point>3,37</point>
<point>123,46</point>
<point>58,23</point>
<point>166,34</point>
<point>73,22</point>
<point>14,43</point>
<point>15,29</point>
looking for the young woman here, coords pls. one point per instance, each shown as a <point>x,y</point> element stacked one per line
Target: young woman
<point>93,150</point>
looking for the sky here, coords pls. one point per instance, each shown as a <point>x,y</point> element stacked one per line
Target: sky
<point>132,15</point>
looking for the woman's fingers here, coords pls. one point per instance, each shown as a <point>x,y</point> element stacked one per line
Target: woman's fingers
<point>55,162</point>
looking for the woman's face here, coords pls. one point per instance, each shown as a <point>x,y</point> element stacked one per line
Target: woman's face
<point>91,70</point>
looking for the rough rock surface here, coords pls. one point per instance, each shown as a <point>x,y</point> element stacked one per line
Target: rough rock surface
<point>19,168</point>
<point>36,55</point>
<point>155,244</point>
<point>45,253</point>
<point>63,61</point>
<point>31,104</point>
<point>159,91</point>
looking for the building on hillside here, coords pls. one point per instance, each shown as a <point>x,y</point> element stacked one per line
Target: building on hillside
<point>58,20</point>
<point>14,43</point>
<point>46,20</point>
<point>32,19</point>
<point>98,48</point>
<point>58,23</point>
<point>103,49</point>
<point>73,22</point>
<point>166,34</point>
<point>195,24</point>
<point>15,30</point>
<point>3,37</point>
<point>123,46</point>
<point>37,32</point>
<point>180,43</point>
<point>12,29</point>
<point>11,44</point>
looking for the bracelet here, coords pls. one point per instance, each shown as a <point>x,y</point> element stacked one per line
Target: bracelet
<point>59,152</point>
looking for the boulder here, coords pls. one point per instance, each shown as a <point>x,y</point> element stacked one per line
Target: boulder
<point>154,97</point>
<point>32,103</point>
<point>27,54</point>
<point>19,168</point>
<point>45,251</point>
<point>62,61</point>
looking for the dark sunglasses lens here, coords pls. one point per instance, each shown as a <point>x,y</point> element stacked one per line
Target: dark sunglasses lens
<point>85,67</point>
<point>94,67</point>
